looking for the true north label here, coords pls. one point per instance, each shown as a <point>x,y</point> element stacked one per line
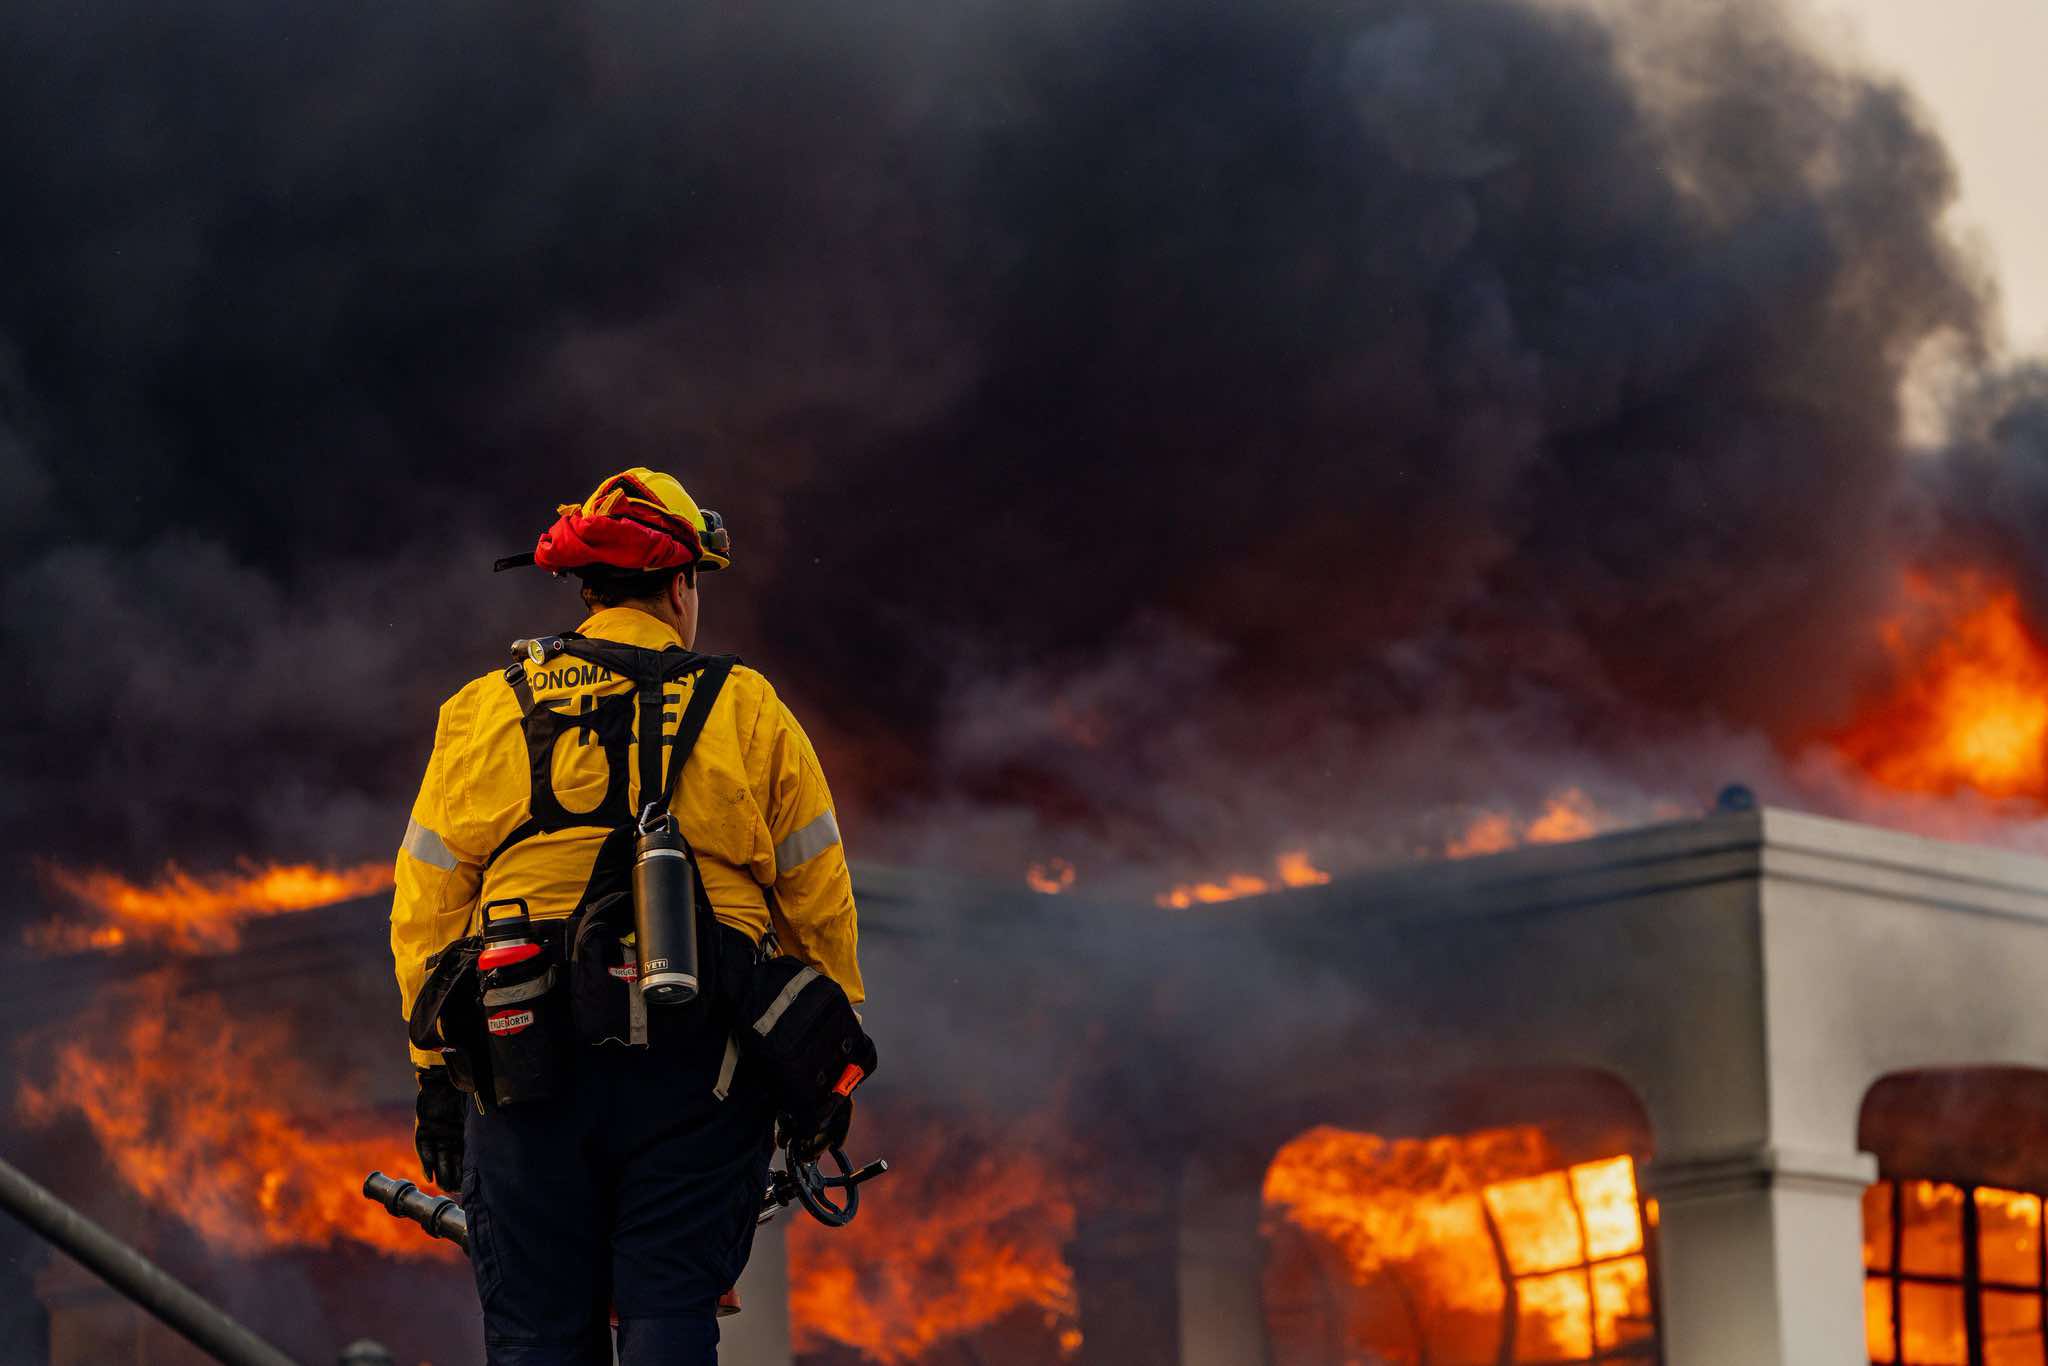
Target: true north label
<point>507,1022</point>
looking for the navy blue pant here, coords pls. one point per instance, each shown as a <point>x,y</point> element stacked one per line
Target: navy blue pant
<point>636,1191</point>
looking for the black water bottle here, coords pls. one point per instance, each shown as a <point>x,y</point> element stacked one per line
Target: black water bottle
<point>664,911</point>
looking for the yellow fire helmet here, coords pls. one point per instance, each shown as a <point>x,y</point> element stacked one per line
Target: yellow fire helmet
<point>637,521</point>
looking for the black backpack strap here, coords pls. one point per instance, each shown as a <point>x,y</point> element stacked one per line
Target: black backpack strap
<point>522,693</point>
<point>652,698</point>
<point>717,668</point>
<point>636,662</point>
<point>650,671</point>
<point>515,678</point>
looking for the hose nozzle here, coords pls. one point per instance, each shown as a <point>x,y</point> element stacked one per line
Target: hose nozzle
<point>439,1215</point>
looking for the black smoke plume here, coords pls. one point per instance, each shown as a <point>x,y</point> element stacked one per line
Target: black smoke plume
<point>1153,428</point>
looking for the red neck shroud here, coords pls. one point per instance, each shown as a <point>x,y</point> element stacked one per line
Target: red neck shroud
<point>579,540</point>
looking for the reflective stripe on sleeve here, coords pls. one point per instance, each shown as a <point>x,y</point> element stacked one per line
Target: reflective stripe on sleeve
<point>426,846</point>
<point>806,844</point>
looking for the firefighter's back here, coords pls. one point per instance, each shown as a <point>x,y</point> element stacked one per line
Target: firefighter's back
<point>611,1146</point>
<point>587,762</point>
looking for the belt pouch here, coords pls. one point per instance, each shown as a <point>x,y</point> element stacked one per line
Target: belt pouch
<point>445,1017</point>
<point>798,1025</point>
<point>526,1021</point>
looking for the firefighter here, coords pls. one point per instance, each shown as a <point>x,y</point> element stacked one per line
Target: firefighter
<point>633,1190</point>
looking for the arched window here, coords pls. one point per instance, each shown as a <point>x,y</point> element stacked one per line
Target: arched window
<point>1481,1249</point>
<point>1954,1275</point>
<point>1953,1247</point>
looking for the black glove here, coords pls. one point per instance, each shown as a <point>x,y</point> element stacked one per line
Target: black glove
<point>437,1128</point>
<point>829,1136</point>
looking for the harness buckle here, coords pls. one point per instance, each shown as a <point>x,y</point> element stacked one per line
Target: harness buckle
<point>655,819</point>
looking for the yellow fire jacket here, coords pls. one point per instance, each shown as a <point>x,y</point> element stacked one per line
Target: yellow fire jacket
<point>752,802</point>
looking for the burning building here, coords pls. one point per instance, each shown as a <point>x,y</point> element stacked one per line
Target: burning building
<point>1753,1088</point>
<point>1180,449</point>
<point>1759,1087</point>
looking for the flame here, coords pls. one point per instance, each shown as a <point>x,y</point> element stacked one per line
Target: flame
<point>1050,878</point>
<point>195,913</point>
<point>1971,707</point>
<point>1567,815</point>
<point>959,1238</point>
<point>203,1122</point>
<point>1928,1239</point>
<point>1291,869</point>
<point>1481,1234</point>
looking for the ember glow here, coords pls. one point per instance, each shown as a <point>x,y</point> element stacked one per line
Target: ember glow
<point>194,913</point>
<point>210,1120</point>
<point>960,1238</point>
<point>1474,1248</point>
<point>1049,878</point>
<point>1970,709</point>
<point>1292,869</point>
<point>1567,815</point>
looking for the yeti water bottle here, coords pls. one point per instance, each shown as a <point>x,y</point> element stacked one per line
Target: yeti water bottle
<point>664,911</point>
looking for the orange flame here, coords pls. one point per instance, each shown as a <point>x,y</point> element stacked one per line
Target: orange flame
<point>1929,1243</point>
<point>1291,869</point>
<point>1971,707</point>
<point>1480,1236</point>
<point>1050,878</point>
<point>195,913</point>
<point>203,1123</point>
<point>1567,815</point>
<point>956,1241</point>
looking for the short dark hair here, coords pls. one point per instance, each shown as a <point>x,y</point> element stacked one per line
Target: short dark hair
<point>615,590</point>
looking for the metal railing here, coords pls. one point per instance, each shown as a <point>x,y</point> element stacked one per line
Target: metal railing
<point>198,1320</point>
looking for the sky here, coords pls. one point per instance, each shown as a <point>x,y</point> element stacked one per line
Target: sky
<point>1976,67</point>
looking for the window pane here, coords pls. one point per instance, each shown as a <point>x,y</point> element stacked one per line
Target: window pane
<point>1877,1230</point>
<point>2009,1237</point>
<point>1932,1241</point>
<point>1877,1318</point>
<point>1555,1320</point>
<point>1933,1324</point>
<point>1606,1193</point>
<point>1538,1223</point>
<point>1454,1280</point>
<point>1621,1303</point>
<point>2012,1330</point>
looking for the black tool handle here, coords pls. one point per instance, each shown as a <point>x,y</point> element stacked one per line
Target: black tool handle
<point>813,1189</point>
<point>802,1183</point>
<point>437,1214</point>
